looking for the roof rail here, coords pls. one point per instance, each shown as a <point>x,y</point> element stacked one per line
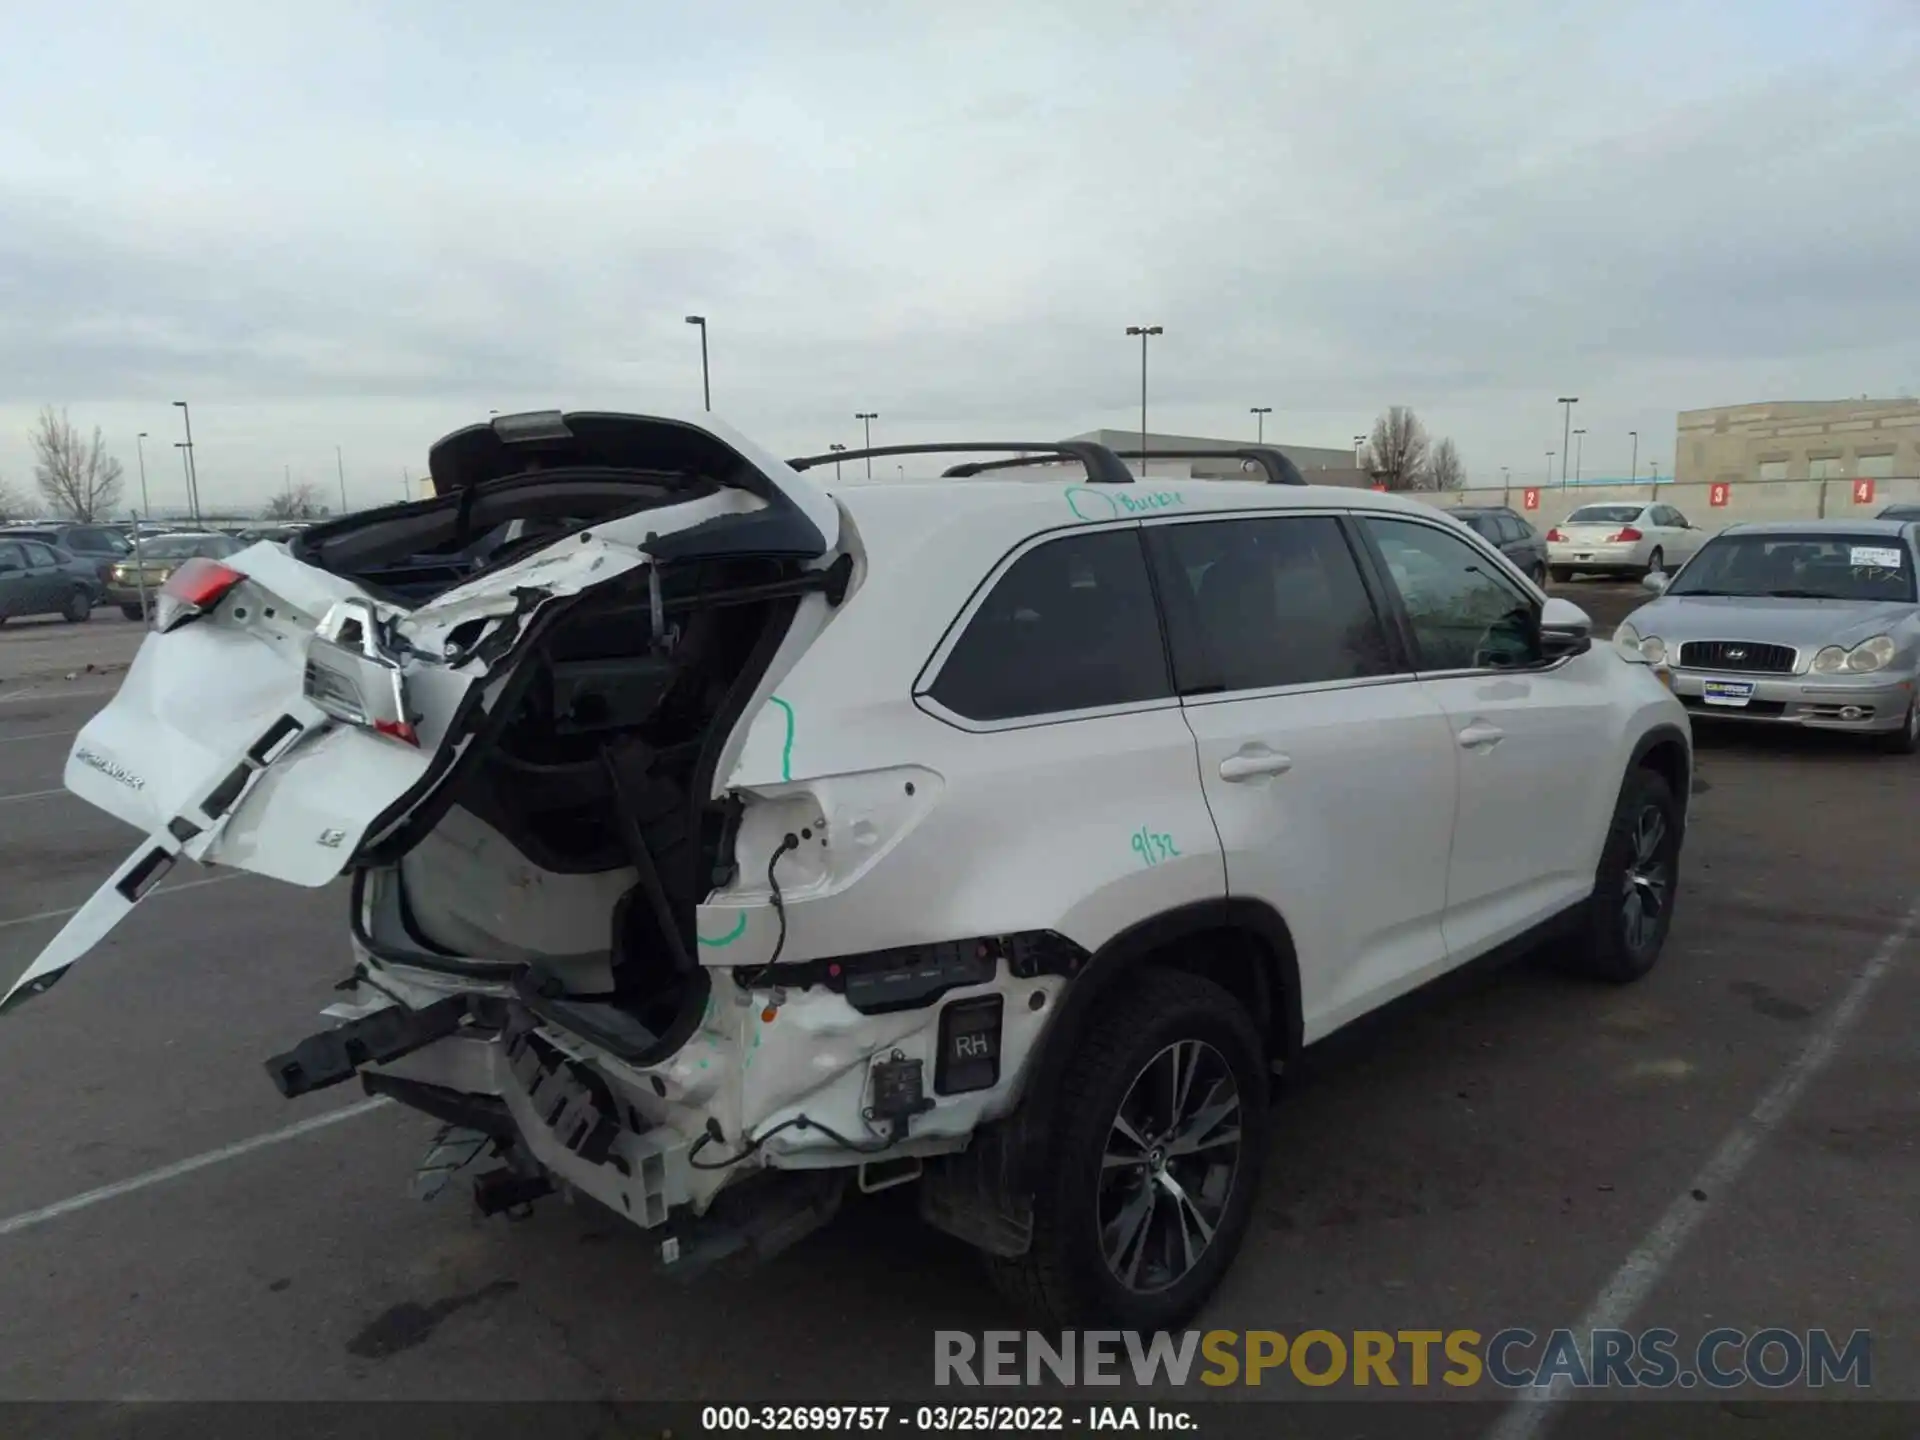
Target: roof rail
<point>1103,467</point>
<point>1279,469</point>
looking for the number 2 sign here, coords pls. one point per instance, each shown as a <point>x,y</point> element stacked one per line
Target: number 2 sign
<point>1530,498</point>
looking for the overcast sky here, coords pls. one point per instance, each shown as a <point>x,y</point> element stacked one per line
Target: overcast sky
<point>365,224</point>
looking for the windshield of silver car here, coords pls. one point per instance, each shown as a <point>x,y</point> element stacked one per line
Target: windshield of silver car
<point>1801,567</point>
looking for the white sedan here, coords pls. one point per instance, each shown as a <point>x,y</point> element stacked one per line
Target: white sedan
<point>1621,537</point>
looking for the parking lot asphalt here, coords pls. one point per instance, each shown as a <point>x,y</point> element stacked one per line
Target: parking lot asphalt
<point>1734,1141</point>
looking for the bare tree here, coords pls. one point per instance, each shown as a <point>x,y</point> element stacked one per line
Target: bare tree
<point>10,502</point>
<point>296,502</point>
<point>1397,449</point>
<point>77,476</point>
<point>1444,470</point>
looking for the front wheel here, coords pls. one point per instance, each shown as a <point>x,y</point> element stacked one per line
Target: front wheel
<point>133,612</point>
<point>78,607</point>
<point>1561,574</point>
<point>1905,740</point>
<point>1633,891</point>
<point>1154,1158</point>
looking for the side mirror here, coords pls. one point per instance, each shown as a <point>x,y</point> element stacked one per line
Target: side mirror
<point>1565,630</point>
<point>1657,581</point>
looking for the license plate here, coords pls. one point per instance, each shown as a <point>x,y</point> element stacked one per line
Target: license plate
<point>1585,555</point>
<point>1727,692</point>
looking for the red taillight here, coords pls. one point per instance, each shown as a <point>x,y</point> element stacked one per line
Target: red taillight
<point>1555,536</point>
<point>192,590</point>
<point>398,730</point>
<point>1629,533</point>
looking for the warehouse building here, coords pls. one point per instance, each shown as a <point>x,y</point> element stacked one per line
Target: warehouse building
<point>1799,440</point>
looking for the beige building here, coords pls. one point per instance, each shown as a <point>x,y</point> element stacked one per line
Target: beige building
<point>1799,440</point>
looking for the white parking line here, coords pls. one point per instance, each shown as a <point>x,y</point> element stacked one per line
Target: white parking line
<point>162,890</point>
<point>31,795</point>
<point>26,1221</point>
<point>1533,1409</point>
<point>37,735</point>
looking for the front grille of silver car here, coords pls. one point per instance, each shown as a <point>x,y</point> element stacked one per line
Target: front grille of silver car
<point>1737,655</point>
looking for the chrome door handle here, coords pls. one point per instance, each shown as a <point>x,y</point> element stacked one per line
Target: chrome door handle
<point>1481,736</point>
<point>1254,767</point>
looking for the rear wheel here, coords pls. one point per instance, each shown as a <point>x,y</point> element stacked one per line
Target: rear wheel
<point>1153,1160</point>
<point>78,607</point>
<point>1633,892</point>
<point>1905,740</point>
<point>132,612</point>
<point>1539,576</point>
<point>1561,574</point>
<point>1657,560</point>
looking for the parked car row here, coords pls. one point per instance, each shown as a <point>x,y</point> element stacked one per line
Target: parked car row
<point>67,569</point>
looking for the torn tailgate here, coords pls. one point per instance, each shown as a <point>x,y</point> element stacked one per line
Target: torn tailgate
<point>283,716</point>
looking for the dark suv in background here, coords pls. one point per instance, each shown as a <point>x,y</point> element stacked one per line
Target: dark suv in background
<point>1517,540</point>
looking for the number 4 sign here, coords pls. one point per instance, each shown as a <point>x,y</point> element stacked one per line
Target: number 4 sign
<point>1863,492</point>
<point>1719,493</point>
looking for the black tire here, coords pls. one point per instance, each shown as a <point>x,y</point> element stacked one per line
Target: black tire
<point>1139,1038</point>
<point>132,612</point>
<point>1905,740</point>
<point>1635,887</point>
<point>1539,576</point>
<point>1656,561</point>
<point>79,607</point>
<point>1561,574</point>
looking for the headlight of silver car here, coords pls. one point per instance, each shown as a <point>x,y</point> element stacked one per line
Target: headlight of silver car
<point>1863,659</point>
<point>1641,649</point>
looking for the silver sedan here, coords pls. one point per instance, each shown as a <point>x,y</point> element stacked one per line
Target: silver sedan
<point>1812,623</point>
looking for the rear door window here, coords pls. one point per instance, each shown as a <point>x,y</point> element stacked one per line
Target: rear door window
<point>1070,625</point>
<point>1255,603</point>
<point>40,556</point>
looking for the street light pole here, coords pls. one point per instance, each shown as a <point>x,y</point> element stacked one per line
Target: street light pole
<point>1633,469</point>
<point>1567,402</point>
<point>341,466</point>
<point>866,418</point>
<point>1579,452</point>
<point>1550,455</point>
<point>706,390</point>
<point>1260,413</point>
<point>1143,331</point>
<point>193,470</point>
<point>836,459</point>
<point>146,511</point>
<point>1358,441</point>
<point>192,509</point>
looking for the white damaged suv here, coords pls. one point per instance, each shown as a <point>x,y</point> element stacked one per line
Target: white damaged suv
<point>720,839</point>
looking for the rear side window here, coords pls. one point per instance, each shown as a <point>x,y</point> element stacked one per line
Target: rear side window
<point>1257,603</point>
<point>40,555</point>
<point>1071,625</point>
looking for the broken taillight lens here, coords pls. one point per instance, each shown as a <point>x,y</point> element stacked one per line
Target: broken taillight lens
<point>192,590</point>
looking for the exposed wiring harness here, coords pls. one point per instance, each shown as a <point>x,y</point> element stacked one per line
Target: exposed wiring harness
<point>748,979</point>
<point>714,1136</point>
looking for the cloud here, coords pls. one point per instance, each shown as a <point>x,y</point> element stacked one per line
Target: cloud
<point>369,225</point>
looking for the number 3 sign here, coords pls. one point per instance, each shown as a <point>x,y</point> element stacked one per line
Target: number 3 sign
<point>1719,493</point>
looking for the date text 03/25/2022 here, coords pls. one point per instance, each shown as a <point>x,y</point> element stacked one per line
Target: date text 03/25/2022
<point>941,1419</point>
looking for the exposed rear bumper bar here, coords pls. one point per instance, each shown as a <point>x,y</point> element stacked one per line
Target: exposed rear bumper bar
<point>335,1055</point>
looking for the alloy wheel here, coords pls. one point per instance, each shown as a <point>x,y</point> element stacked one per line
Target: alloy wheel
<point>1171,1159</point>
<point>1647,888</point>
